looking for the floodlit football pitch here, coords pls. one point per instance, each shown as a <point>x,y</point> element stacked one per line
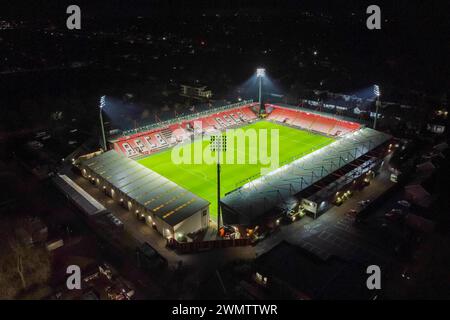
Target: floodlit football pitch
<point>188,166</point>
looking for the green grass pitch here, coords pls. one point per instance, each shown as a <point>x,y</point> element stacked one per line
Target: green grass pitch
<point>201,178</point>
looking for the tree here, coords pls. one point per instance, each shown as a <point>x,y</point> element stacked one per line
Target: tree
<point>22,266</point>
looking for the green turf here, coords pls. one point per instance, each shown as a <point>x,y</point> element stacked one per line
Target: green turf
<point>201,178</point>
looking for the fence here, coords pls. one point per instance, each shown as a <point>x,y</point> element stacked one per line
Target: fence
<point>197,246</point>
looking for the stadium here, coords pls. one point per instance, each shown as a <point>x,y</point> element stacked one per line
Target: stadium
<point>320,158</point>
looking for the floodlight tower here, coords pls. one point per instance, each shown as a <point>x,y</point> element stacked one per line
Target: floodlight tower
<point>102,105</point>
<point>260,74</point>
<point>376,91</point>
<point>218,144</point>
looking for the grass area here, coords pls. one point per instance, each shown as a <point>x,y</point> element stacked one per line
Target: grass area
<point>197,172</point>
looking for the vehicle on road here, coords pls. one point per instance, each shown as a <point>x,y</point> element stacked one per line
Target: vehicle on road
<point>364,203</point>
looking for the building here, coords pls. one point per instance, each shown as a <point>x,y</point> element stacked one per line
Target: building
<point>171,209</point>
<point>78,197</point>
<point>290,271</point>
<point>195,92</point>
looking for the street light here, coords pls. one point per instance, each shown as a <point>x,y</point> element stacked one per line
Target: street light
<point>102,105</point>
<point>377,92</point>
<point>260,74</point>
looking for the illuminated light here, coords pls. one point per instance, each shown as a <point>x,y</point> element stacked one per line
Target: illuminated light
<point>121,200</point>
<point>137,211</point>
<point>102,102</point>
<point>376,90</point>
<point>104,188</point>
<point>260,72</point>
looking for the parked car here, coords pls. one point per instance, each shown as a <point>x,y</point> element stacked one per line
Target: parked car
<point>364,203</point>
<point>394,214</point>
<point>116,221</point>
<point>294,215</point>
<point>228,232</point>
<point>404,203</point>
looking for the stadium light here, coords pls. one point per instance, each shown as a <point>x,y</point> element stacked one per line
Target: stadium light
<point>377,92</point>
<point>218,144</point>
<point>260,74</point>
<point>102,105</point>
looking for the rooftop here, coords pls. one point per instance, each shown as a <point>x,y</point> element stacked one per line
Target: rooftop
<point>165,199</point>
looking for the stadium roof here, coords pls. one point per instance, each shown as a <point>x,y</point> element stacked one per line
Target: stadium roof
<point>263,194</point>
<point>157,194</point>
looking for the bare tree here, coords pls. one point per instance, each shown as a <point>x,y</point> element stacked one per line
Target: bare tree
<point>22,266</point>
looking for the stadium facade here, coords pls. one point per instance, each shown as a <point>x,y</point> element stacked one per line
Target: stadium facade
<point>172,210</point>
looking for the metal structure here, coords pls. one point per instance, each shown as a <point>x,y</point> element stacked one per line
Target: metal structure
<point>260,74</point>
<point>376,91</point>
<point>102,105</point>
<point>218,144</point>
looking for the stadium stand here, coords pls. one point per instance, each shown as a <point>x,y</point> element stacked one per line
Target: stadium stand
<point>311,121</point>
<point>147,142</point>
